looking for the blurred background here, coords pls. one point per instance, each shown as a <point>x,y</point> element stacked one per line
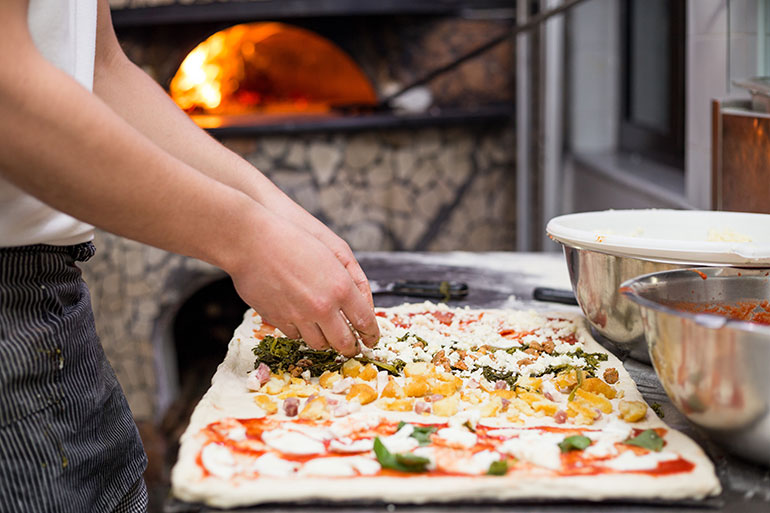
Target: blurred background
<point>428,125</point>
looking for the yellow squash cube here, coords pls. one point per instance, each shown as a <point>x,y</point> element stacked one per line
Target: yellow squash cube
<point>266,404</point>
<point>632,411</point>
<point>362,393</point>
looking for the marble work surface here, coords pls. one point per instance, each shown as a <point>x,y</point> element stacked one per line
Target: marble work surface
<point>507,280</point>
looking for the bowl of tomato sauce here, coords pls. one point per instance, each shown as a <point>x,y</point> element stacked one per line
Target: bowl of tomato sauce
<point>708,335</point>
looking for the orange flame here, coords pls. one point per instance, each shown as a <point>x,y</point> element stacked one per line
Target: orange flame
<point>268,68</point>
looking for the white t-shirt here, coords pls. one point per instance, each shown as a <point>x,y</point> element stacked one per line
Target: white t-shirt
<point>65,33</point>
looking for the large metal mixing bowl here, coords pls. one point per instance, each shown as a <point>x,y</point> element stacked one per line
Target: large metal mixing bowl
<point>714,368</point>
<point>596,278</point>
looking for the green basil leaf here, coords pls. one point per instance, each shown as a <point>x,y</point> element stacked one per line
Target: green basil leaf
<point>574,443</point>
<point>498,468</point>
<point>412,461</point>
<point>648,439</point>
<point>403,462</point>
<point>420,433</point>
<point>384,456</point>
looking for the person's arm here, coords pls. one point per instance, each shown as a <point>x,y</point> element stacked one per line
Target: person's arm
<point>68,148</point>
<point>138,99</point>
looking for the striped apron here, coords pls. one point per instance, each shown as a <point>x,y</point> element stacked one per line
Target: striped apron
<point>68,442</point>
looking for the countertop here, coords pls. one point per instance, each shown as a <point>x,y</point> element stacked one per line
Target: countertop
<point>497,280</point>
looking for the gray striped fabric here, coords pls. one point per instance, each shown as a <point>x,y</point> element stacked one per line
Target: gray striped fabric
<point>68,442</point>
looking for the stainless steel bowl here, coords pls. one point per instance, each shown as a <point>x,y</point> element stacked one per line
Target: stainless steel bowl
<point>596,278</point>
<point>716,370</point>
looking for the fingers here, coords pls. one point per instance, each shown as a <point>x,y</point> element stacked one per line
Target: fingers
<point>313,336</point>
<point>359,278</point>
<point>344,254</point>
<point>362,318</point>
<point>291,331</point>
<point>340,335</point>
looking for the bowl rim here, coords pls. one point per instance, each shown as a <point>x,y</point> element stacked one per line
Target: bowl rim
<point>564,230</point>
<point>632,290</point>
<point>673,261</point>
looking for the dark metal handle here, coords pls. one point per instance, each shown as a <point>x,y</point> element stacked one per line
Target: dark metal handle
<point>562,296</point>
<point>432,289</point>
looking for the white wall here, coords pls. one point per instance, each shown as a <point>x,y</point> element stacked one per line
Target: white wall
<point>707,78</point>
<point>720,46</point>
<point>593,69</point>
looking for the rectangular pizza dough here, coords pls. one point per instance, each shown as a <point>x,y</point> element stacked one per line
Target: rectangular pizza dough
<point>221,478</point>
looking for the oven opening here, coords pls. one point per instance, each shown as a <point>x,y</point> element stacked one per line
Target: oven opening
<point>269,69</point>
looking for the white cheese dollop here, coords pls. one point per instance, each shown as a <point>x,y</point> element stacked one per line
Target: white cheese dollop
<point>536,447</point>
<point>314,432</point>
<point>218,461</point>
<point>458,437</point>
<point>354,423</point>
<point>364,466</point>
<point>603,441</point>
<point>347,445</point>
<point>291,442</point>
<point>271,465</point>
<point>340,467</point>
<point>503,432</point>
<point>328,467</point>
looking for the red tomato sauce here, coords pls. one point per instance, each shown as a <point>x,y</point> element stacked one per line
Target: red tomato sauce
<point>574,463</point>
<point>749,311</point>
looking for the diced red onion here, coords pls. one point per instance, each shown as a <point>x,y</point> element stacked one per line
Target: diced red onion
<point>263,373</point>
<point>433,398</point>
<point>549,396</point>
<point>560,417</point>
<point>421,407</point>
<point>501,385</point>
<point>291,406</point>
<point>505,402</point>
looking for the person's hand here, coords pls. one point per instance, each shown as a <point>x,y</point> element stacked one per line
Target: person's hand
<point>282,205</point>
<point>344,255</point>
<point>305,289</point>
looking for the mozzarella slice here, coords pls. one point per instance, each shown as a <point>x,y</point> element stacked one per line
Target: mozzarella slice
<point>328,467</point>
<point>218,461</point>
<point>457,437</point>
<point>538,448</point>
<point>271,465</point>
<point>347,445</point>
<point>292,442</point>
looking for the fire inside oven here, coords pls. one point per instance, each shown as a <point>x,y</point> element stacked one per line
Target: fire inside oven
<point>267,68</point>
